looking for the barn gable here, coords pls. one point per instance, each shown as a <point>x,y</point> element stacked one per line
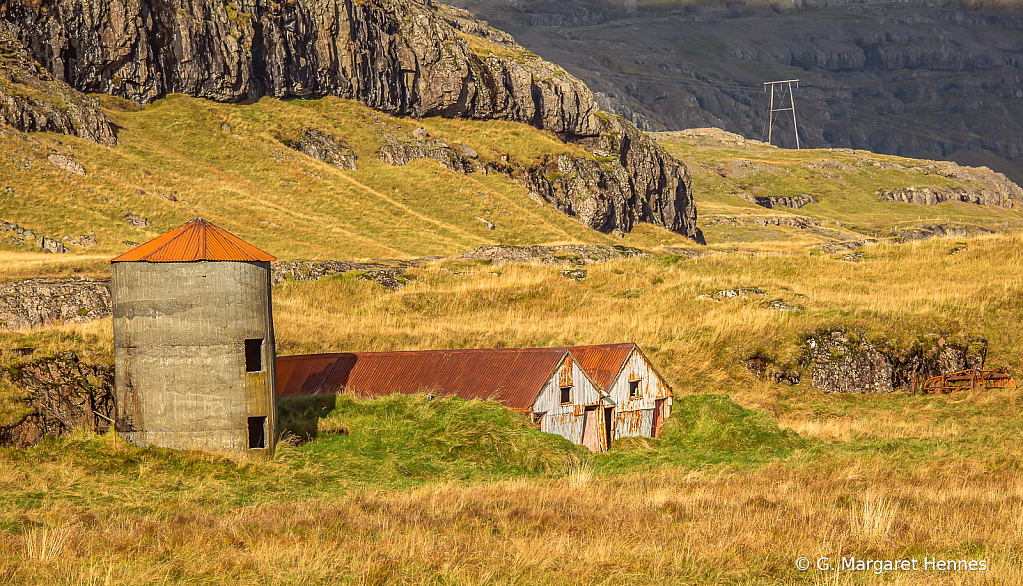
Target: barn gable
<point>640,394</point>
<point>580,417</point>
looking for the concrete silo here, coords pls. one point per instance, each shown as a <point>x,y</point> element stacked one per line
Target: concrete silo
<point>194,343</point>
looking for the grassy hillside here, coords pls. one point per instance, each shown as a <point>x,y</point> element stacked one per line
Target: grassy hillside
<point>843,181</point>
<point>182,157</point>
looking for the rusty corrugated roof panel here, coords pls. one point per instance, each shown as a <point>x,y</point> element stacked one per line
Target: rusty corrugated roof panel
<point>513,376</point>
<point>305,376</point>
<point>193,241</point>
<point>603,362</point>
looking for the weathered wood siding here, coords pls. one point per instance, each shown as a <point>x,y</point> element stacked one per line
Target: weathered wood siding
<point>635,417</point>
<point>568,420</point>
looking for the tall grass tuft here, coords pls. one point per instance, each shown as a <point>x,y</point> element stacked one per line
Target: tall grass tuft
<point>45,543</point>
<point>873,517</point>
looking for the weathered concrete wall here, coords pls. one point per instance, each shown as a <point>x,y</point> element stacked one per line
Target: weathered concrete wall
<point>635,416</point>
<point>569,420</point>
<point>179,354</point>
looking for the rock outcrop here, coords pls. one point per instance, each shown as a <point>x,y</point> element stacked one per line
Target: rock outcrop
<point>401,149</point>
<point>390,277</point>
<point>20,235</point>
<point>406,57</point>
<point>643,182</point>
<point>39,302</point>
<point>399,56</point>
<point>922,232</point>
<point>50,245</point>
<point>622,182</point>
<point>570,254</point>
<point>32,100</point>
<point>794,221</point>
<point>58,395</point>
<point>326,149</point>
<point>934,195</point>
<point>844,362</point>
<point>941,231</point>
<point>771,202</point>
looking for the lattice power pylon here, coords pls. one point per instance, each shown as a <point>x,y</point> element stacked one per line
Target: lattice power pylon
<point>770,85</point>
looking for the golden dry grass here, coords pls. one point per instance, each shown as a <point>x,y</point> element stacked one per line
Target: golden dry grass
<point>879,477</point>
<point>666,527</point>
<point>22,265</point>
<point>897,291</point>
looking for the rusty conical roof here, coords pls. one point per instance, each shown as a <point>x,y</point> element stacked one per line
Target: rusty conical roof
<point>193,241</point>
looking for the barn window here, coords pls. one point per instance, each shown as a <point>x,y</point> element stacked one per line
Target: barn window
<point>566,395</point>
<point>257,433</point>
<point>254,355</point>
<point>634,389</point>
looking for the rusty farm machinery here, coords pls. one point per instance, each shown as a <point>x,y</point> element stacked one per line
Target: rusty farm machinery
<point>963,380</point>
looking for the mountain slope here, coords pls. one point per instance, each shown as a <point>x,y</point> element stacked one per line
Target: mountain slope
<point>240,166</point>
<point>918,79</point>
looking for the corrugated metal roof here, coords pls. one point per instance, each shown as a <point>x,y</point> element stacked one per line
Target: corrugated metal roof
<point>603,362</point>
<point>513,376</point>
<point>303,375</point>
<point>193,241</point>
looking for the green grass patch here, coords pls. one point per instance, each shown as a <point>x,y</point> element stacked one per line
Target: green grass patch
<point>402,439</point>
<point>704,430</point>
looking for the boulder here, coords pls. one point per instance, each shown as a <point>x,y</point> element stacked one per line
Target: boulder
<point>326,149</point>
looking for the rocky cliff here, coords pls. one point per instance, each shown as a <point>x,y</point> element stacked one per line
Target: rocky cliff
<point>913,78</point>
<point>32,100</point>
<point>407,57</point>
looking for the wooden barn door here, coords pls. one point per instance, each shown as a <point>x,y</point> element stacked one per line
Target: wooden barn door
<point>591,430</point>
<point>658,417</point>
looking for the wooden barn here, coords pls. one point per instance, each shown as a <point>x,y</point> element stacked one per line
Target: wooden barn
<point>548,384</point>
<point>641,397</point>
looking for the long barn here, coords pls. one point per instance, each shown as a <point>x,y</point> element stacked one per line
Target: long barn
<point>546,383</point>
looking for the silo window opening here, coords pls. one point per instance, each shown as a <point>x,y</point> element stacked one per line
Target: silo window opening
<point>254,355</point>
<point>634,389</point>
<point>257,433</point>
<point>566,395</point>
